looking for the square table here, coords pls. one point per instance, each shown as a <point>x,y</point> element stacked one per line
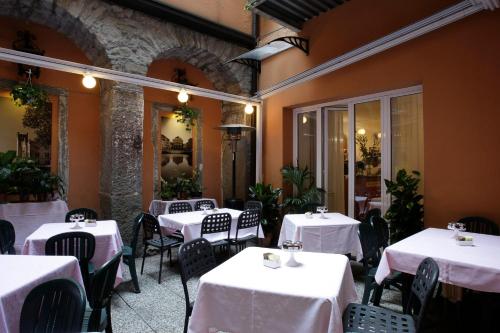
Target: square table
<point>108,241</point>
<point>189,224</point>
<point>20,274</point>
<point>160,207</point>
<point>336,234</point>
<point>474,267</point>
<point>242,295</point>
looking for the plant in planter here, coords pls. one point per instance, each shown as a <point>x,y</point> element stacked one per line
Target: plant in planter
<point>6,159</point>
<point>186,116</point>
<point>167,190</point>
<point>305,193</point>
<point>405,215</point>
<point>271,210</point>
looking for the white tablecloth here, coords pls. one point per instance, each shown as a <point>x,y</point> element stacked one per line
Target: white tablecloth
<point>160,207</point>
<point>20,274</point>
<point>475,267</point>
<point>26,217</point>
<point>190,225</point>
<point>107,237</point>
<point>242,295</point>
<point>336,234</point>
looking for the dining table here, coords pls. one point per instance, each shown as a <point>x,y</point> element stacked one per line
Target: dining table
<point>335,233</point>
<point>189,224</point>
<point>242,295</point>
<point>20,274</point>
<point>160,207</point>
<point>108,241</point>
<point>475,266</point>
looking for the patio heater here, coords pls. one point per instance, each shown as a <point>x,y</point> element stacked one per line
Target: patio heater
<point>233,134</point>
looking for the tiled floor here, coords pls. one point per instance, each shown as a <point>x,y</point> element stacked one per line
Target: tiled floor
<point>161,307</point>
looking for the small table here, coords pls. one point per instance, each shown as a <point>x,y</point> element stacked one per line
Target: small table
<point>20,274</point>
<point>189,224</point>
<point>474,267</point>
<point>160,207</point>
<point>108,241</point>
<point>336,234</point>
<point>242,295</point>
<point>26,217</point>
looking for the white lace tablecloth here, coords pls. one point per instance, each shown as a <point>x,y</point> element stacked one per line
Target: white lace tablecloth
<point>335,234</point>
<point>160,207</point>
<point>474,267</point>
<point>26,217</point>
<point>20,274</point>
<point>106,233</point>
<point>242,295</point>
<point>190,225</point>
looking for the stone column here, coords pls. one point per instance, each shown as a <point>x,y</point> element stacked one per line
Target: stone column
<point>122,117</point>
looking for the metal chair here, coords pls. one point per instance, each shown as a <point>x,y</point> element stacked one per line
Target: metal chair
<point>366,318</point>
<point>199,203</point>
<point>179,207</point>
<point>86,212</point>
<point>98,317</point>
<point>52,307</point>
<point>217,223</point>
<point>7,237</point>
<point>153,237</point>
<point>254,204</point>
<point>196,258</point>
<point>480,225</point>
<point>129,253</point>
<point>248,219</point>
<point>381,230</point>
<point>77,244</point>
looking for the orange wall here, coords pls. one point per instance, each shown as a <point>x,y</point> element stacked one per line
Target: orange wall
<point>459,69</point>
<point>211,113</point>
<point>83,107</point>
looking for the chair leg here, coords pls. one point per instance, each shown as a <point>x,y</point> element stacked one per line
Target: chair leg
<point>143,258</point>
<point>377,293</point>
<point>133,274</point>
<point>366,293</point>
<point>170,256</point>
<point>161,264</point>
<point>109,328</point>
<point>186,322</point>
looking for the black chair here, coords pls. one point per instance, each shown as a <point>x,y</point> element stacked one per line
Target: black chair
<point>98,317</point>
<point>54,306</point>
<point>129,253</point>
<point>199,203</point>
<point>217,223</point>
<point>196,258</point>
<point>179,207</point>
<point>366,318</point>
<point>374,212</point>
<point>381,230</point>
<point>152,237</point>
<point>254,204</point>
<point>248,219</point>
<point>86,212</point>
<point>7,237</point>
<point>371,257</point>
<point>77,244</point>
<point>480,225</point>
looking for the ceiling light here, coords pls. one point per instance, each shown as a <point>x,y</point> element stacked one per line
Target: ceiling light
<point>361,131</point>
<point>183,96</point>
<point>304,119</point>
<point>248,108</point>
<point>89,81</point>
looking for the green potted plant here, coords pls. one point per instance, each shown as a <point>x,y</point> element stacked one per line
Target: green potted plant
<point>406,213</point>
<point>271,210</point>
<point>305,194</point>
<point>186,116</point>
<point>6,159</point>
<point>167,191</point>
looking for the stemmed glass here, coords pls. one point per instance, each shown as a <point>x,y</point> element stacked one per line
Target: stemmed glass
<point>456,227</point>
<point>322,210</point>
<point>76,218</point>
<point>205,208</point>
<point>292,247</point>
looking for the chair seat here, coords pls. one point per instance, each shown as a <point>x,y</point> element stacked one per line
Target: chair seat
<point>366,318</point>
<point>221,242</point>
<point>167,242</point>
<point>127,251</point>
<point>242,239</point>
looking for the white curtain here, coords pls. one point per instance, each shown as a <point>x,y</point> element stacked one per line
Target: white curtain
<point>336,144</point>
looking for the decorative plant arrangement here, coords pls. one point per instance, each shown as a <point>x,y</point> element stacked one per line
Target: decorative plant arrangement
<point>249,4</point>
<point>25,180</point>
<point>406,212</point>
<point>186,115</point>
<point>370,155</point>
<point>181,187</point>
<point>271,210</point>
<point>305,193</point>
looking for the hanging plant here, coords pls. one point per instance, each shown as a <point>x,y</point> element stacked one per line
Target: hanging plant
<point>29,96</point>
<point>186,115</point>
<point>249,4</point>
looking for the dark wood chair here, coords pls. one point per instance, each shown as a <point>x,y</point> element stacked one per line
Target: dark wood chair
<point>7,237</point>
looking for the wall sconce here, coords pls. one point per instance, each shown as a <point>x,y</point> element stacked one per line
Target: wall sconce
<point>183,96</point>
<point>248,108</point>
<point>88,81</point>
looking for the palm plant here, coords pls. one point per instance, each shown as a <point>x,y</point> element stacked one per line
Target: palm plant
<point>269,197</point>
<point>305,193</point>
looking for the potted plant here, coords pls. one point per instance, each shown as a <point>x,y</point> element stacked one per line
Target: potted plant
<point>406,213</point>
<point>271,210</point>
<point>186,115</point>
<point>167,191</point>
<point>6,159</point>
<point>305,194</point>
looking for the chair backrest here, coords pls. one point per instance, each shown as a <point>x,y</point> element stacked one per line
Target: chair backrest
<point>480,225</point>
<point>150,228</point>
<point>135,233</point>
<point>254,204</point>
<point>199,203</point>
<point>381,230</point>
<point>179,207</point>
<point>86,212</point>
<point>250,218</point>
<point>369,245</point>
<point>54,306</point>
<point>371,214</point>
<point>215,223</point>
<point>7,237</point>
<point>422,288</point>
<point>102,283</point>
<point>196,257</point>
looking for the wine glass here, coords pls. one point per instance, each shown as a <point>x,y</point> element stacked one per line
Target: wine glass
<point>292,247</point>
<point>76,218</point>
<point>205,208</point>
<point>322,210</point>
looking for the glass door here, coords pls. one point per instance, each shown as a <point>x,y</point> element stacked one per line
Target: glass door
<point>307,142</point>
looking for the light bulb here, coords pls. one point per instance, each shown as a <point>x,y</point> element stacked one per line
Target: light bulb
<point>248,108</point>
<point>183,96</point>
<point>361,131</point>
<point>304,119</point>
<point>379,135</point>
<point>89,81</point>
